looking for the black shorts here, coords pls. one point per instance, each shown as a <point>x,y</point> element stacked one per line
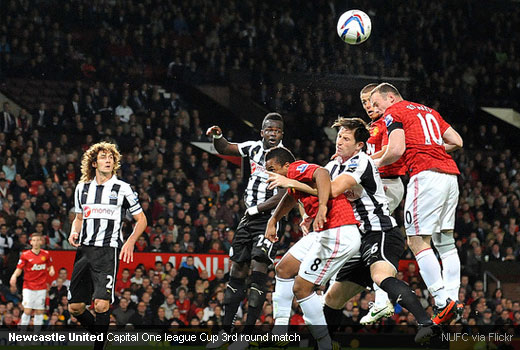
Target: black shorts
<point>249,242</point>
<point>375,246</point>
<point>94,274</point>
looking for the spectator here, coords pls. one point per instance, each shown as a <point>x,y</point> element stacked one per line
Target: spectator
<point>123,314</point>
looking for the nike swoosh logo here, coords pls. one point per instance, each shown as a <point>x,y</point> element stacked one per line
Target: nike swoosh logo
<point>305,272</point>
<point>376,313</point>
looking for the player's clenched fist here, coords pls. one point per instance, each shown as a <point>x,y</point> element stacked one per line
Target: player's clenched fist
<point>214,131</point>
<point>73,239</point>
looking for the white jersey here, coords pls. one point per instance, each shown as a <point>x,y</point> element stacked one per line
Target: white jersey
<point>256,191</point>
<point>368,196</point>
<point>103,208</point>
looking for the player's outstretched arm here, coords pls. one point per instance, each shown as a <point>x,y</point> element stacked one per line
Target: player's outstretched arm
<point>222,145</point>
<point>452,140</point>
<point>75,228</point>
<point>15,276</point>
<point>271,203</point>
<point>277,180</point>
<point>285,205</point>
<point>322,179</point>
<point>127,252</point>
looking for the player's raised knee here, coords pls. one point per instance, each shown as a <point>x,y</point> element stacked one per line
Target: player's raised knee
<point>101,305</point>
<point>76,308</point>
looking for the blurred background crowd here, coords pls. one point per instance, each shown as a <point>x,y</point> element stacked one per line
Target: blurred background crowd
<point>115,75</point>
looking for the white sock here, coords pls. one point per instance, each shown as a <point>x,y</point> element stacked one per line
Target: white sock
<point>431,274</point>
<point>381,297</point>
<point>282,303</point>
<point>313,316</point>
<point>451,273</point>
<point>38,322</point>
<point>25,319</point>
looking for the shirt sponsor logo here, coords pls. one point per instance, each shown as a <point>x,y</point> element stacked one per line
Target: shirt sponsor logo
<point>38,267</point>
<point>99,212</point>
<point>113,195</point>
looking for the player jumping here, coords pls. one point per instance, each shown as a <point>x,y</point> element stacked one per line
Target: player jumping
<point>421,136</point>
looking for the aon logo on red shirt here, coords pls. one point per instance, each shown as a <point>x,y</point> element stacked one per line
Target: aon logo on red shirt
<point>38,267</point>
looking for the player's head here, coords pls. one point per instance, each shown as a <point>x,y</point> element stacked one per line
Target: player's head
<point>272,130</point>
<point>364,95</point>
<point>278,160</point>
<point>383,96</point>
<point>352,136</point>
<point>102,157</point>
<point>36,240</point>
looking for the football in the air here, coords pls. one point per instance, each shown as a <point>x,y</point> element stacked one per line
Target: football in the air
<point>354,27</point>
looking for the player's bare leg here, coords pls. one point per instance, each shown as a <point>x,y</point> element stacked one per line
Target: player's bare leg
<point>335,298</point>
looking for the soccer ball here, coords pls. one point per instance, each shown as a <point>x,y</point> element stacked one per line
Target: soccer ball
<point>354,27</point>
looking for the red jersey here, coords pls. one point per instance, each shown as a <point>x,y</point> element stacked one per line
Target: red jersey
<point>379,138</point>
<point>339,211</point>
<point>34,267</point>
<point>423,128</point>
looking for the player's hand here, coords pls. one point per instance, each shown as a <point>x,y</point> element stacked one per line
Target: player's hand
<point>276,180</point>
<point>334,156</point>
<point>270,232</point>
<point>305,225</point>
<point>73,239</point>
<point>127,252</point>
<point>51,272</point>
<point>214,131</point>
<point>377,162</point>
<point>320,219</point>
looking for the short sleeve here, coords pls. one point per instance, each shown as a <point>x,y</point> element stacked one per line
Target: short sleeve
<point>245,148</point>
<point>131,200</point>
<point>21,262</point>
<point>442,123</point>
<point>393,121</point>
<point>77,200</point>
<point>302,171</point>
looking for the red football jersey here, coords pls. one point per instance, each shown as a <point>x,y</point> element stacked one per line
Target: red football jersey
<point>339,211</point>
<point>423,128</point>
<point>35,269</point>
<point>379,138</point>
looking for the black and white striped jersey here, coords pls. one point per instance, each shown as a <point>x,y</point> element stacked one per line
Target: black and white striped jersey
<point>103,208</point>
<point>368,197</point>
<point>256,191</point>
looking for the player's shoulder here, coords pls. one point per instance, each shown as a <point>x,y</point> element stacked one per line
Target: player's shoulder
<point>301,166</point>
<point>44,252</point>
<point>355,161</point>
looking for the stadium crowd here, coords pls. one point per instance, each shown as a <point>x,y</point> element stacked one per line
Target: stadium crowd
<point>192,200</point>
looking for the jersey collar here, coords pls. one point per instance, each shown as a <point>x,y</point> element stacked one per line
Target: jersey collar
<point>111,181</point>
